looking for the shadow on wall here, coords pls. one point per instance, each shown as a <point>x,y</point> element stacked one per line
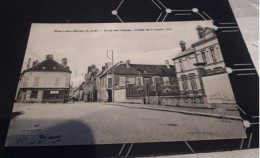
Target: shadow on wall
<point>73,132</point>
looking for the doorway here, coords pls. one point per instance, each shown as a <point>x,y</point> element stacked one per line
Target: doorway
<point>109,91</point>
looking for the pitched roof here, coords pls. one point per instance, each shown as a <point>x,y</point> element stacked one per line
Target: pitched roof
<point>48,65</point>
<point>109,69</point>
<point>136,69</point>
<point>185,52</point>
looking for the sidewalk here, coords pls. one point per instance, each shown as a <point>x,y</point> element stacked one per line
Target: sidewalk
<point>227,111</point>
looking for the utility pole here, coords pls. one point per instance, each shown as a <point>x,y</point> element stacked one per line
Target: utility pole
<point>112,59</point>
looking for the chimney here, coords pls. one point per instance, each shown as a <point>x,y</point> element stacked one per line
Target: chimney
<point>103,68</point>
<point>49,56</point>
<point>28,64</point>
<point>89,69</point>
<point>93,67</point>
<point>200,31</point>
<point>35,62</point>
<point>167,63</point>
<point>127,63</point>
<point>183,47</point>
<point>64,62</point>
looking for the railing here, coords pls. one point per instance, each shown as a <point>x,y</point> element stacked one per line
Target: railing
<point>152,90</point>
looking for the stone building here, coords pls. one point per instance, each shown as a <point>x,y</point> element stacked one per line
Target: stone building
<point>126,82</point>
<point>47,81</point>
<point>201,72</point>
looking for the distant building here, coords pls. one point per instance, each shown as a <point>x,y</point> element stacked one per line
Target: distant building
<point>47,81</point>
<point>126,82</point>
<point>90,87</point>
<point>104,91</point>
<point>201,70</point>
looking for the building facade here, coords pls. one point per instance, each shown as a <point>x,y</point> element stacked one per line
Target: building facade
<point>197,63</point>
<point>48,81</point>
<point>90,87</point>
<point>126,82</point>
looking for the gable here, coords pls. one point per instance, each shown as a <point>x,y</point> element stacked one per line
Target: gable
<point>49,65</point>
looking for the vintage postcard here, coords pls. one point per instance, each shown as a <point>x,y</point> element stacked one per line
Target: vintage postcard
<point>110,83</point>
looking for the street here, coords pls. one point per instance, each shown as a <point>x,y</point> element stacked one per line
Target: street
<point>82,123</point>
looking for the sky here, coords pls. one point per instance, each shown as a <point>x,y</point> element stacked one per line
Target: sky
<point>83,48</point>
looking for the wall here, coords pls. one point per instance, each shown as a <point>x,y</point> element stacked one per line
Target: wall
<point>46,79</point>
<point>103,95</point>
<point>188,62</point>
<point>154,100</point>
<point>218,89</point>
<point>192,102</point>
<point>120,95</point>
<point>135,100</point>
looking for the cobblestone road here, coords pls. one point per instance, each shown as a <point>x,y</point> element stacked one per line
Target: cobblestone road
<point>98,123</point>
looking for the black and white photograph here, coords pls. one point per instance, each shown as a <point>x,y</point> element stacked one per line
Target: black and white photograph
<point>114,83</point>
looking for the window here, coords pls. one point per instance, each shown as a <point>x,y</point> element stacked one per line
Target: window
<point>193,81</point>
<point>54,95</point>
<point>109,83</point>
<point>34,94</point>
<point>138,81</point>
<point>218,54</point>
<point>185,83</point>
<point>213,55</point>
<point>57,82</point>
<point>166,81</point>
<point>156,80</point>
<point>181,65</point>
<point>204,57</point>
<point>36,81</point>
<point>25,81</point>
<point>188,65</point>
